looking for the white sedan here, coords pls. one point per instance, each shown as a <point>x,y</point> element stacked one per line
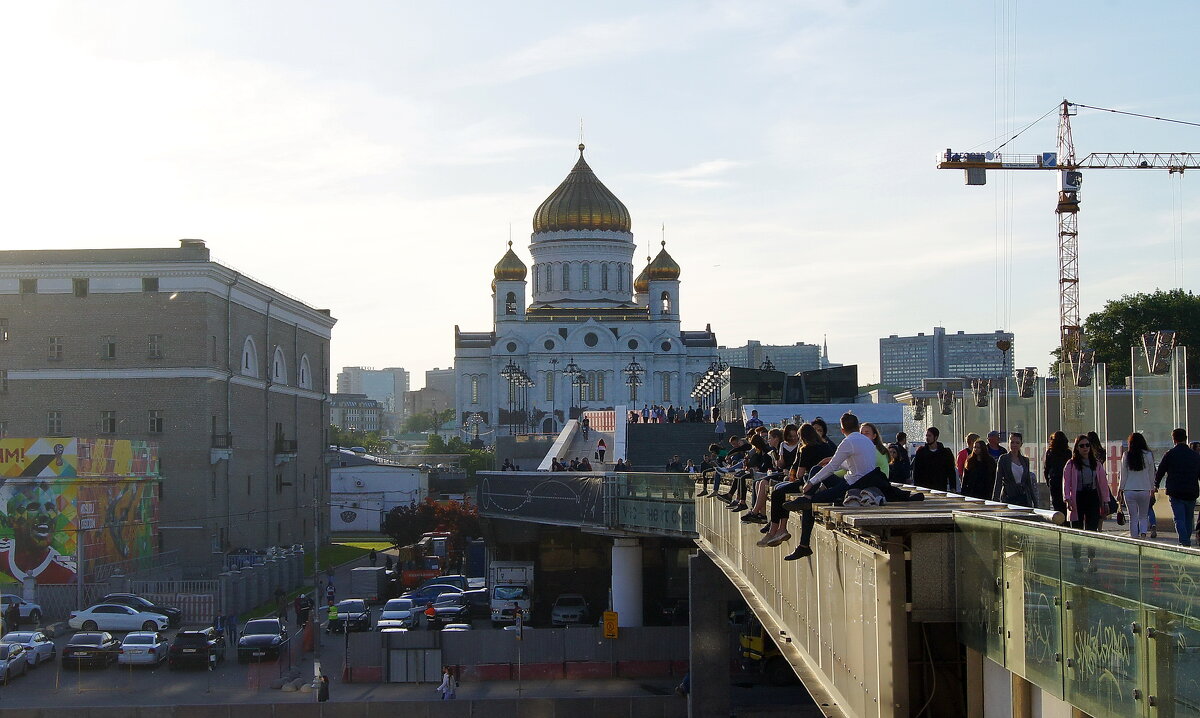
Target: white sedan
<point>115,617</point>
<point>30,611</point>
<point>13,660</point>
<point>143,648</point>
<point>39,648</point>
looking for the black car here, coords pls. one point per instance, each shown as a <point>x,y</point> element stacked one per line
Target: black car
<point>352,614</point>
<point>450,608</point>
<point>197,648</point>
<point>94,647</point>
<point>263,639</point>
<point>480,600</point>
<point>174,615</point>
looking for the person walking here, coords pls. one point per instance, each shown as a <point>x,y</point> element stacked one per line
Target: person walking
<point>1181,468</point>
<point>372,557</point>
<point>322,688</point>
<point>601,447</point>
<point>1085,486</point>
<point>1136,484</point>
<point>449,685</point>
<point>1014,480</point>
<point>961,462</point>
<point>1057,456</point>
<point>933,465</point>
<point>979,472</point>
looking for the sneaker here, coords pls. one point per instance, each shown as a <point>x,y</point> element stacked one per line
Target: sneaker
<point>785,536</point>
<point>753,518</point>
<point>764,541</point>
<point>703,493</point>
<point>800,552</point>
<point>795,504</point>
<point>738,507</point>
<point>1153,533</point>
<point>916,496</point>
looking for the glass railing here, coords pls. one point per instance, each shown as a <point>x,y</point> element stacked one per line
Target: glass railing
<point>1110,625</point>
<point>658,503</point>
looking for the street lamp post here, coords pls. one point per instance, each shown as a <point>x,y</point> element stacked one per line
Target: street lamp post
<point>581,385</point>
<point>553,394</point>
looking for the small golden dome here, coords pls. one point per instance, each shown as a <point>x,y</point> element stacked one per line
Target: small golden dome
<point>510,267</point>
<point>641,285</point>
<point>663,266</point>
<point>581,202</point>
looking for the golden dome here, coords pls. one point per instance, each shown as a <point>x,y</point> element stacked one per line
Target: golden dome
<point>641,285</point>
<point>581,202</point>
<point>510,267</point>
<point>663,267</point>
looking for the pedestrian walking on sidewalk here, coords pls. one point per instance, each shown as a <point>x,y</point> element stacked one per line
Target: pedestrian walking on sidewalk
<point>449,685</point>
<point>372,557</point>
<point>601,447</point>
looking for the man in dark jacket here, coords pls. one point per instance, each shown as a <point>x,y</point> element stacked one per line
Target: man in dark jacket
<point>933,465</point>
<point>1181,467</point>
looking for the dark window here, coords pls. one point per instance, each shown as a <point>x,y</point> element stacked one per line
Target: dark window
<point>108,422</point>
<point>666,346</point>
<point>549,344</point>
<point>154,346</point>
<point>633,343</point>
<point>510,303</point>
<point>590,339</point>
<point>80,287</point>
<point>155,417</point>
<point>3,380</point>
<point>108,348</point>
<point>511,347</point>
<point>29,286</point>
<point>3,330</point>
<point>562,332</point>
<point>55,349</point>
<point>54,423</point>
<point>149,284</point>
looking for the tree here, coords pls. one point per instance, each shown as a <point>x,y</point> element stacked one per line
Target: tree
<point>405,524</point>
<point>1120,325</point>
<point>370,441</point>
<point>427,420</point>
<point>473,459</point>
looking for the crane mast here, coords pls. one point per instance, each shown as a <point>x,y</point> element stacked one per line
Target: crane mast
<point>1069,185</point>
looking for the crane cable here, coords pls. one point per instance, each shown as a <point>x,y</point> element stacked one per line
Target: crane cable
<point>1135,114</point>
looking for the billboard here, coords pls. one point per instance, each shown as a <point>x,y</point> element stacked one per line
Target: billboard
<point>56,492</point>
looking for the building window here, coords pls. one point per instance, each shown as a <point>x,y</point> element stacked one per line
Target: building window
<point>3,381</point>
<point>666,303</point>
<point>154,348</point>
<point>212,346</point>
<point>54,423</point>
<point>537,275</point>
<point>55,349</point>
<point>305,373</point>
<point>566,276</point>
<point>279,367</point>
<point>80,287</point>
<point>108,422</point>
<point>474,390</point>
<point>587,275</point>
<point>666,388</point>
<point>212,490</point>
<point>3,429</point>
<point>510,303</point>
<point>249,358</point>
<point>620,277</point>
<point>155,417</point>
<point>604,276</point>
<point>29,286</point>
<point>108,347</point>
<point>3,330</point>
<point>549,386</point>
<point>149,284</point>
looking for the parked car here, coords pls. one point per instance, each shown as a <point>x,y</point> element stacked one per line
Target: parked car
<point>426,595</point>
<point>457,580</point>
<point>30,611</point>
<point>174,615</point>
<point>397,613</point>
<point>352,615</point>
<point>37,645</point>
<point>116,617</point>
<point>262,639</point>
<point>456,627</point>
<point>14,660</point>
<point>568,609</point>
<point>450,608</point>
<point>95,647</point>
<point>199,647</point>
<point>143,648</point>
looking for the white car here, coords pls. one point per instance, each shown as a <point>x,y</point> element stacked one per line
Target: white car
<point>569,608</point>
<point>115,617</point>
<point>397,613</point>
<point>13,660</point>
<point>143,648</point>
<point>39,648</point>
<point>30,611</point>
<point>456,627</point>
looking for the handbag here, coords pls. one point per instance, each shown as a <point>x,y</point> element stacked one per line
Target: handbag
<point>1113,508</point>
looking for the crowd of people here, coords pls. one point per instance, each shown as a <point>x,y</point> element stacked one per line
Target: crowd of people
<point>764,467</point>
<point>656,414</point>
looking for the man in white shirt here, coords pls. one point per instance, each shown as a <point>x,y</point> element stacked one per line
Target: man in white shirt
<point>857,455</point>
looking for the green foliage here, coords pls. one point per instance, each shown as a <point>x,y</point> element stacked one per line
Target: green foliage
<point>427,420</point>
<point>369,440</point>
<point>473,459</point>
<point>405,524</point>
<point>1120,325</point>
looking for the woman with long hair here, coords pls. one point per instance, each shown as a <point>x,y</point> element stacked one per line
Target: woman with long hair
<point>881,453</point>
<point>758,461</point>
<point>1085,486</point>
<point>979,472</point>
<point>812,451</point>
<point>1137,484</point>
<point>1057,456</point>
<point>1014,479</point>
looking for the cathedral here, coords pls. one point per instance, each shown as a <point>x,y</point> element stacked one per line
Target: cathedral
<point>592,335</point>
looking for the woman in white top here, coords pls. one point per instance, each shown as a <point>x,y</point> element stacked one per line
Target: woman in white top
<point>1137,483</point>
<point>449,685</point>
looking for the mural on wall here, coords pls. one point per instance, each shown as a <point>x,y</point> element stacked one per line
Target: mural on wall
<point>56,490</point>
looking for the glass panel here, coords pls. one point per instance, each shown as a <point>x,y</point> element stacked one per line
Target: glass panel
<point>1173,630</point>
<point>1026,415</point>
<point>1101,594</point>
<point>977,559</point>
<point>1159,395</point>
<point>1034,623</point>
<point>977,419</point>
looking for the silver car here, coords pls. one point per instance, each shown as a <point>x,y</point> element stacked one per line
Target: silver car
<point>38,647</point>
<point>143,648</point>
<point>13,660</point>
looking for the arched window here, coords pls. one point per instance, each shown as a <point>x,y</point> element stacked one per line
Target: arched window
<point>537,275</point>
<point>278,367</point>
<point>604,276</point>
<point>549,386</point>
<point>305,373</point>
<point>587,275</point>
<point>620,277</point>
<point>666,388</point>
<point>566,276</point>
<point>595,390</point>
<point>249,358</point>
<point>510,303</point>
<point>474,390</point>
<point>666,302</point>
<point>549,278</point>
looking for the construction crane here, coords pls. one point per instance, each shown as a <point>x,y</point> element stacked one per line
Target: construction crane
<point>1070,181</point>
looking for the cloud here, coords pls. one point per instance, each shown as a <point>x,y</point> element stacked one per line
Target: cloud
<point>703,175</point>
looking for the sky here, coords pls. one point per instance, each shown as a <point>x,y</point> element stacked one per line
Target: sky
<point>374,158</point>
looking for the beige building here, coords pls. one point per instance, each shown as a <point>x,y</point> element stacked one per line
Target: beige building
<point>227,375</point>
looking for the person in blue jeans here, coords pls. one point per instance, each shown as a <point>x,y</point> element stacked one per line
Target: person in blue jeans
<point>1181,468</point>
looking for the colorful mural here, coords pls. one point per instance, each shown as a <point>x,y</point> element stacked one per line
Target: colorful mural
<point>57,491</point>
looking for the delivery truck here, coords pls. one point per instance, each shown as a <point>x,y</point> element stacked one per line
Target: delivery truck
<point>511,587</point>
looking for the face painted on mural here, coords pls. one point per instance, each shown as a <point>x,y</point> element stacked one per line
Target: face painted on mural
<point>33,515</point>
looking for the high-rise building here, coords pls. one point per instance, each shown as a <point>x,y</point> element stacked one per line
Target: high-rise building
<point>386,386</point>
<point>905,361</point>
<point>787,358</point>
<point>441,380</point>
<point>228,377</point>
